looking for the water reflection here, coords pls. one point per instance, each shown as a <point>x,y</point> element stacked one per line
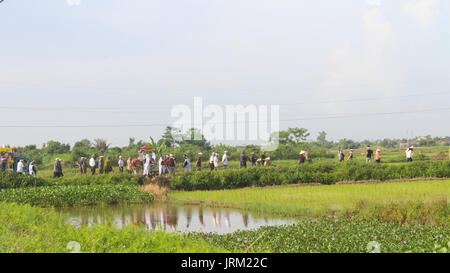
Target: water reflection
<point>171,218</point>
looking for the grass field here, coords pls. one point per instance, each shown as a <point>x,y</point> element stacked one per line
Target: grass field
<point>300,200</point>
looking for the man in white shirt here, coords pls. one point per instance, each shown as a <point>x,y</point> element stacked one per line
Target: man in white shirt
<point>121,164</point>
<point>147,166</point>
<point>225,160</point>
<point>92,165</point>
<point>409,154</point>
<point>161,165</point>
<point>20,167</point>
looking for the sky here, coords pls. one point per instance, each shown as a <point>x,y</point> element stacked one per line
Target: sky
<point>356,69</point>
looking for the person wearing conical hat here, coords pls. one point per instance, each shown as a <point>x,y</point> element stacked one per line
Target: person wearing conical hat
<point>198,163</point>
<point>378,156</point>
<point>302,157</point>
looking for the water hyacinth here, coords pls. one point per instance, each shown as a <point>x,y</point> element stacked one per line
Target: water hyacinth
<point>314,235</point>
<point>67,196</point>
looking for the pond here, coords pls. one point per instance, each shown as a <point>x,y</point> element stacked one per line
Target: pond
<point>173,218</point>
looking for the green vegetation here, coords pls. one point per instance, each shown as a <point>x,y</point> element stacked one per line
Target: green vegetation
<point>13,180</point>
<point>106,179</point>
<point>317,200</point>
<point>334,235</point>
<point>325,173</point>
<point>63,196</point>
<point>27,229</point>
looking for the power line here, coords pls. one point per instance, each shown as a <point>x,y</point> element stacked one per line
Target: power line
<point>283,120</point>
<point>116,109</point>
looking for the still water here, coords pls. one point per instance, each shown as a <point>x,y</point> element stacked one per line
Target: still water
<point>172,218</point>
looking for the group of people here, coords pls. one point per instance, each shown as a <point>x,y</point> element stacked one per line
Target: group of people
<point>22,166</point>
<point>369,155</point>
<point>5,161</point>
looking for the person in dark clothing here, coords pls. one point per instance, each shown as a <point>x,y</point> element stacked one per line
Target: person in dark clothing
<point>302,157</point>
<point>172,163</point>
<point>341,155</point>
<point>263,158</point>
<point>57,169</point>
<point>369,154</point>
<point>253,159</point>
<point>101,164</point>
<point>243,159</point>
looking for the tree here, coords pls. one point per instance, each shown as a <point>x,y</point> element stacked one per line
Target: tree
<point>168,137</point>
<point>55,147</point>
<point>322,138</point>
<point>101,145</point>
<point>194,137</point>
<point>297,135</point>
<point>291,136</point>
<point>131,142</point>
<point>84,143</point>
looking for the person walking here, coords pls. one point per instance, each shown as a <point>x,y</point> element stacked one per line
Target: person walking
<point>341,155</point>
<point>198,163</point>
<point>147,166</point>
<point>350,155</point>
<point>166,164</point>
<point>32,169</point>
<point>121,164</point>
<point>172,164</point>
<point>57,169</point>
<point>187,163</point>
<point>263,158</point>
<point>369,154</point>
<point>129,166</point>
<point>225,160</point>
<point>216,162</point>
<point>108,166</point>
<point>161,165</point>
<point>3,159</point>
<point>92,165</point>
<point>101,164</point>
<point>378,156</point>
<point>307,159</point>
<point>243,159</point>
<point>20,167</point>
<point>302,157</point>
<point>409,154</point>
<point>211,161</point>
<point>81,166</point>
<point>253,159</point>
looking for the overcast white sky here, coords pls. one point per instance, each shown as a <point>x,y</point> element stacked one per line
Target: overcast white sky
<point>91,62</point>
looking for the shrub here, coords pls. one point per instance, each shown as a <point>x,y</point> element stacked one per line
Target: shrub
<point>9,180</point>
<point>67,196</point>
<point>325,173</point>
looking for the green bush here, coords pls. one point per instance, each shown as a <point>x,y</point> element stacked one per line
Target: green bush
<point>9,180</point>
<point>325,173</point>
<point>106,179</point>
<point>67,196</point>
